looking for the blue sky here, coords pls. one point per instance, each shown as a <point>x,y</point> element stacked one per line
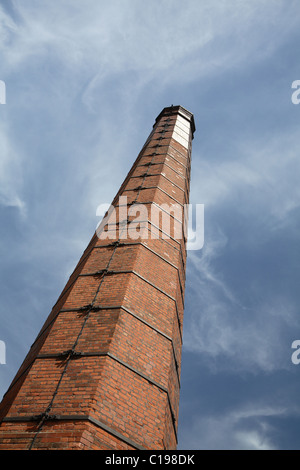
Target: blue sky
<point>85,81</point>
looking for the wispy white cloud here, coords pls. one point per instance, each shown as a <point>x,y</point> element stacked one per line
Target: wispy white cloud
<point>243,428</point>
<point>253,197</point>
<point>118,35</point>
<point>228,330</point>
<point>261,175</point>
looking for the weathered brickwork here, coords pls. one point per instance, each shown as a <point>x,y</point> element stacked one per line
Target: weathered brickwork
<point>104,371</point>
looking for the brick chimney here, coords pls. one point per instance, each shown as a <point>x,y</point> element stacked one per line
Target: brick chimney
<point>104,371</point>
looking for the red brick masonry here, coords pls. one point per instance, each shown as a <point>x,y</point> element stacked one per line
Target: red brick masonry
<point>104,371</point>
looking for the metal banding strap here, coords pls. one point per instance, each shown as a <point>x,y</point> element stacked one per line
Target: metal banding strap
<point>78,354</point>
<point>51,417</point>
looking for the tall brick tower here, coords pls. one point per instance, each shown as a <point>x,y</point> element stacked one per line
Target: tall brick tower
<point>104,371</point>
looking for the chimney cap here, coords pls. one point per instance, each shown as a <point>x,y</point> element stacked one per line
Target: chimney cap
<point>174,110</point>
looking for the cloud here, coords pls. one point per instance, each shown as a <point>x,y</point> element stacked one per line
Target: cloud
<point>241,328</point>
<point>240,305</point>
<point>260,174</point>
<point>109,37</point>
<point>246,428</point>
